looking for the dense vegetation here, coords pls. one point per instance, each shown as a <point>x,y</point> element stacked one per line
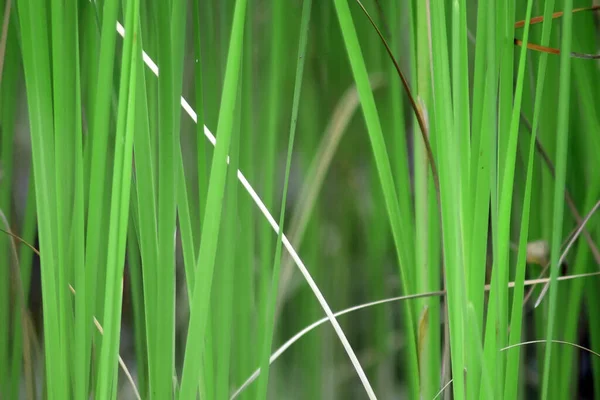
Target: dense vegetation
<point>440,156</point>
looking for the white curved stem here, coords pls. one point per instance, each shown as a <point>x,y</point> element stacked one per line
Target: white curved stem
<point>336,326</point>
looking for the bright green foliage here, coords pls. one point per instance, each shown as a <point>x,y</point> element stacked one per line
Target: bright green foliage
<point>160,252</point>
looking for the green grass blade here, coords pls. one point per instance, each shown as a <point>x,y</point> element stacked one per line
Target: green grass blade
<point>82,335</point>
<point>7,157</point>
<point>489,126</point>
<point>245,282</point>
<point>145,196</point>
<point>562,135</point>
<point>170,53</point>
<point>98,156</point>
<point>185,221</point>
<point>36,64</point>
<point>224,294</point>
<point>137,295</point>
<point>119,210</point>
<point>506,167</point>
<point>513,359</point>
<point>451,197</point>
<point>385,175</point>
<point>63,68</point>
<point>210,229</point>
<point>268,324</point>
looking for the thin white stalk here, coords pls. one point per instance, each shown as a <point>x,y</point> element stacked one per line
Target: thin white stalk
<point>336,326</point>
<point>552,341</point>
<point>569,245</point>
<point>121,362</point>
<point>320,322</point>
<point>443,389</point>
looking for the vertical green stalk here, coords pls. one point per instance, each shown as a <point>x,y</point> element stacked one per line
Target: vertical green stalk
<point>385,176</point>
<point>512,364</point>
<point>224,294</point>
<point>63,65</point>
<point>505,17</point>
<point>244,271</point>
<point>145,197</point>
<point>489,128</point>
<point>398,129</point>
<point>426,210</point>
<point>119,210</point>
<point>99,125</point>
<point>460,98</point>
<point>481,170</point>
<point>143,255</point>
<point>202,151</point>
<point>539,96</point>
<point>211,224</point>
<point>270,306</point>
<point>269,154</point>
<point>562,132</point>
<point>77,232</point>
<point>506,168</point>
<point>36,63</point>
<point>170,57</point>
<point>450,195</point>
<point>9,79</point>
<point>137,295</point>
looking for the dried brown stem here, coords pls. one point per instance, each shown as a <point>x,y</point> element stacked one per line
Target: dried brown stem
<point>551,50</point>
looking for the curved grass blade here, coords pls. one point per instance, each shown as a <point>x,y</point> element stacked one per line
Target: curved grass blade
<point>551,341</point>
<point>419,112</point>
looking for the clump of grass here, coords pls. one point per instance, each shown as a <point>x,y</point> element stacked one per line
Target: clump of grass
<point>405,203</point>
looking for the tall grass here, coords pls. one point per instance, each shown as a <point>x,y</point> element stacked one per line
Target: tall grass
<point>398,171</point>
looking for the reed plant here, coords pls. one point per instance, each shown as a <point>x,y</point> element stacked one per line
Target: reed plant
<point>299,200</point>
